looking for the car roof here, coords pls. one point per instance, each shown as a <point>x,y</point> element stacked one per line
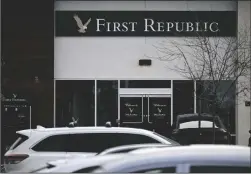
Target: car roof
<point>147,150</point>
<point>194,153</point>
<point>76,129</point>
<point>194,115</point>
<point>184,117</point>
<point>133,146</point>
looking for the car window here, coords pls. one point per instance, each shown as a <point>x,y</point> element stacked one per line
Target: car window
<point>157,170</point>
<point>195,124</point>
<point>87,170</point>
<point>205,120</point>
<point>127,139</point>
<point>220,169</point>
<point>98,142</point>
<point>90,142</point>
<point>55,143</point>
<point>19,140</point>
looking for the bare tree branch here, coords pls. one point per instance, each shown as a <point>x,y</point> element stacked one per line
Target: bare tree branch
<point>214,59</point>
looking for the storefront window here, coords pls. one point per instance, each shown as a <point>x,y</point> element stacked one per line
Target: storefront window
<point>107,101</point>
<point>75,99</point>
<point>183,97</point>
<point>223,104</point>
<point>145,83</point>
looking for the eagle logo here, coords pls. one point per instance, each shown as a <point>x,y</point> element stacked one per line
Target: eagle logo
<point>131,110</point>
<point>159,110</point>
<point>82,27</point>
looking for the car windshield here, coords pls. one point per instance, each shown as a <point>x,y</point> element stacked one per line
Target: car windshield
<point>204,121</point>
<point>167,139</point>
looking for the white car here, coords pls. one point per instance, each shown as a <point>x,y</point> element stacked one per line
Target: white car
<point>183,159</point>
<point>85,165</point>
<point>78,165</point>
<point>133,147</point>
<point>35,147</point>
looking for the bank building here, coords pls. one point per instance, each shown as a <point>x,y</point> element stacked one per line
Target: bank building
<point>107,66</point>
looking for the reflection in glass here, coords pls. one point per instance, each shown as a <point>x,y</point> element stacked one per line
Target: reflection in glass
<point>145,83</point>
<point>183,97</point>
<point>75,98</point>
<point>224,101</point>
<point>160,109</point>
<point>107,101</point>
<point>131,109</point>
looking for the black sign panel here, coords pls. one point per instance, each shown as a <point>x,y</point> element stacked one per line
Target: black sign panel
<point>131,109</point>
<point>145,23</point>
<point>16,113</point>
<point>159,109</point>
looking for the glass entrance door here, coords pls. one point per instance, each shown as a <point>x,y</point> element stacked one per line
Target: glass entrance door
<point>147,111</point>
<point>159,109</point>
<point>131,109</point>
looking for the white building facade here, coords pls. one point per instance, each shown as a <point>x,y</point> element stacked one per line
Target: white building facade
<point>99,79</point>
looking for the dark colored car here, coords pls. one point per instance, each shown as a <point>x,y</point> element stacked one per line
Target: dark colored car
<point>198,129</point>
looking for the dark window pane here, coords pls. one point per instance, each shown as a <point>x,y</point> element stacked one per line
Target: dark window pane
<point>75,98</point>
<point>158,170</point>
<point>224,101</point>
<point>160,110</point>
<point>107,102</point>
<point>97,142</point>
<point>56,143</point>
<point>127,139</point>
<point>90,142</point>
<point>131,109</point>
<point>183,97</point>
<point>220,169</point>
<point>145,83</point>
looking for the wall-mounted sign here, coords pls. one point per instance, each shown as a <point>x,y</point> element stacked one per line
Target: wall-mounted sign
<point>145,23</point>
<point>247,103</point>
<point>131,110</point>
<point>159,109</point>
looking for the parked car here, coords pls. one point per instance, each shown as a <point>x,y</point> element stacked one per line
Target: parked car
<point>78,164</point>
<point>198,129</point>
<point>85,165</point>
<point>183,159</point>
<point>35,147</point>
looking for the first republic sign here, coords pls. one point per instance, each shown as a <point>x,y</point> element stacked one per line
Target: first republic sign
<point>145,23</point>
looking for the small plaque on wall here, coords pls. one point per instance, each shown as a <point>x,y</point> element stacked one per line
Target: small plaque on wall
<point>247,103</point>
